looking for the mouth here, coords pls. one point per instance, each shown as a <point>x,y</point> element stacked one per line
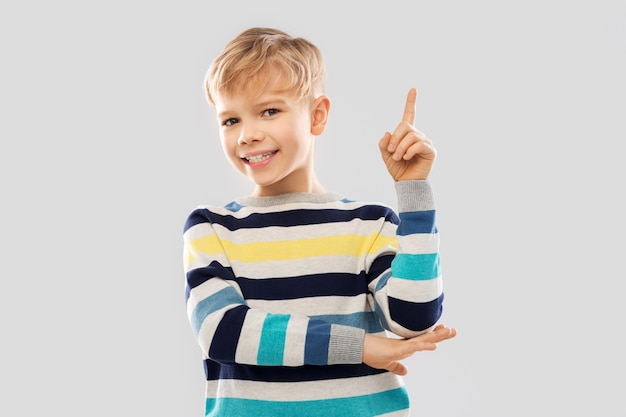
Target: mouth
<point>256,159</point>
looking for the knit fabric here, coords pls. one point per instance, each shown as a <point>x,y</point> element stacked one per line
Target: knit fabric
<point>281,290</point>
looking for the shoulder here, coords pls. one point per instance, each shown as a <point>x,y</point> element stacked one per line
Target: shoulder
<point>208,214</point>
<point>372,210</point>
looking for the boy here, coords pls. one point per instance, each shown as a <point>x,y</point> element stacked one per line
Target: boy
<point>290,291</point>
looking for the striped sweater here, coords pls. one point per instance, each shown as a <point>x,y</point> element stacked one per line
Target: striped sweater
<point>280,291</point>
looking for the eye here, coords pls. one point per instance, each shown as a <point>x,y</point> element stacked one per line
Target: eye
<point>229,122</point>
<point>270,112</point>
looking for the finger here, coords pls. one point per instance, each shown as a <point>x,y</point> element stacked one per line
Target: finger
<point>428,341</point>
<point>421,148</point>
<point>442,334</point>
<point>409,107</point>
<point>402,132</point>
<point>398,368</point>
<point>446,330</point>
<point>383,143</point>
<point>408,140</point>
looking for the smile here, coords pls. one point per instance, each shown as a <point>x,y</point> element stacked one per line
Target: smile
<point>255,159</point>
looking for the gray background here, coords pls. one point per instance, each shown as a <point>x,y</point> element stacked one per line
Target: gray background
<point>107,144</point>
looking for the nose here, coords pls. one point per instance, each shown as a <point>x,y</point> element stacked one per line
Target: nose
<point>249,134</point>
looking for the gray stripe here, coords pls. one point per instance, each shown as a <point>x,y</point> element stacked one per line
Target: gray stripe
<point>414,195</point>
<point>346,345</point>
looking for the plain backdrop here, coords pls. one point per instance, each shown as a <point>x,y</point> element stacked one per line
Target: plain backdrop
<point>107,144</point>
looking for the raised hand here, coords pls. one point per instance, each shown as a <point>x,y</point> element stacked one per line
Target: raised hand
<point>386,353</point>
<point>407,152</point>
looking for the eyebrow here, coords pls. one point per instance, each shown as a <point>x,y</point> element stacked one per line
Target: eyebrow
<point>270,101</point>
<point>261,104</point>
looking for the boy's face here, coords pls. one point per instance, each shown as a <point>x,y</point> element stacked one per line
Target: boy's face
<point>268,137</point>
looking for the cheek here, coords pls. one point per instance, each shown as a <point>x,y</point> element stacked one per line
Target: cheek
<point>229,142</point>
<point>295,131</point>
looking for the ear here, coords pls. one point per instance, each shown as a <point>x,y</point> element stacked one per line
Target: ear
<point>319,115</point>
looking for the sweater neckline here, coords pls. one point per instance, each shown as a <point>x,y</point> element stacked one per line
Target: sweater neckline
<point>277,200</point>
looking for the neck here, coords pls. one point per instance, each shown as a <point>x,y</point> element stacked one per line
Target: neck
<point>313,186</point>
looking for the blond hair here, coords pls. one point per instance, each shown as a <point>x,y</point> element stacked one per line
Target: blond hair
<point>256,54</point>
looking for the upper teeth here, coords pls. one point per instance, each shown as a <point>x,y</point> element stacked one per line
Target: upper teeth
<point>259,158</point>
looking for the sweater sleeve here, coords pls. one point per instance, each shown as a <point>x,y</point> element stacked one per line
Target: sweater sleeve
<point>408,295</point>
<point>229,331</point>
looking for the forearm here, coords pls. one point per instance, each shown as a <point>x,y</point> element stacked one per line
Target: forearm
<point>231,332</point>
<point>411,295</point>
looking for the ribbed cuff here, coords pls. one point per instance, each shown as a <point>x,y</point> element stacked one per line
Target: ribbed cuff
<point>414,195</point>
<point>345,345</point>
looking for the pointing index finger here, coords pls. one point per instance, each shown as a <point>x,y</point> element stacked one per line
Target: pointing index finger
<point>409,107</point>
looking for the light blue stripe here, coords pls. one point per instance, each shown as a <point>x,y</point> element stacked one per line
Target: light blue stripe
<point>213,303</point>
<point>383,280</point>
<point>364,320</point>
<point>233,206</point>
<point>419,267</point>
<point>362,406</point>
<point>272,345</point>
<point>316,343</point>
<point>417,222</point>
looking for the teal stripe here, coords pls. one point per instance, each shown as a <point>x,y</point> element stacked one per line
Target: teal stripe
<point>420,267</point>
<point>363,406</point>
<point>220,299</point>
<point>272,345</point>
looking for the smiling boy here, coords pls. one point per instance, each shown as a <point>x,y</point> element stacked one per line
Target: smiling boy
<point>268,135</point>
<point>291,290</point>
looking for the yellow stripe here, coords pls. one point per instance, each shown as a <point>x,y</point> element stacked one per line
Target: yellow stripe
<point>348,244</point>
<point>209,245</point>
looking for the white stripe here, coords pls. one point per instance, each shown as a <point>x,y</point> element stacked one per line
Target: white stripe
<point>197,231</point>
<point>303,391</point>
<point>302,266</point>
<point>419,243</point>
<point>250,338</point>
<point>383,305</point>
<point>205,290</point>
<point>202,261</point>
<point>208,327</point>
<point>295,341</point>
<point>279,233</point>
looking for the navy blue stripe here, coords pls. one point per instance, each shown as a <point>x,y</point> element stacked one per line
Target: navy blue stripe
<point>379,266</point>
<point>315,285</point>
<point>198,276</point>
<point>196,217</point>
<point>417,222</point>
<point>291,217</point>
<point>415,316</point>
<point>215,371</point>
<point>227,334</point>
